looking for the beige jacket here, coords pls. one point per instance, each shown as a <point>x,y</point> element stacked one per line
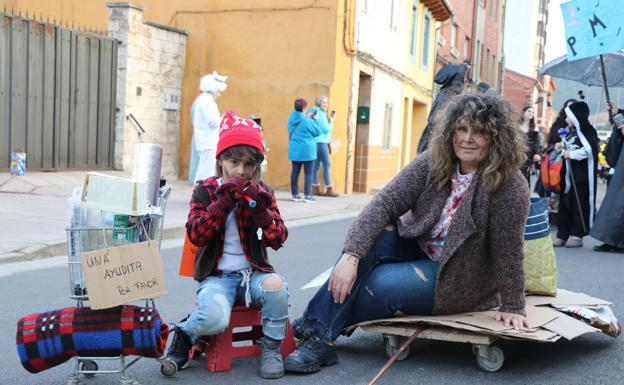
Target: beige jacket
<point>481,266</point>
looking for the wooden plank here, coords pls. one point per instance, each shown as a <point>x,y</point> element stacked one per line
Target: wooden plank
<point>63,95</point>
<point>113,105</point>
<point>5,57</point>
<point>49,33</point>
<point>34,112</point>
<point>433,333</point>
<point>92,77</point>
<point>19,93</point>
<point>78,130</point>
<point>104,118</point>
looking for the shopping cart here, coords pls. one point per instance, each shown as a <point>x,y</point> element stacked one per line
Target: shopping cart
<point>83,239</point>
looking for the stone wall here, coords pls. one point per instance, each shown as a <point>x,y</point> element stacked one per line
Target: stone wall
<point>149,85</point>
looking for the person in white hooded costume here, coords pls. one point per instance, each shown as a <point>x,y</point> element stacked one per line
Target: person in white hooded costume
<point>206,120</point>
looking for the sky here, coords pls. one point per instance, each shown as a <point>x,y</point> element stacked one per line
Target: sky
<point>555,40</point>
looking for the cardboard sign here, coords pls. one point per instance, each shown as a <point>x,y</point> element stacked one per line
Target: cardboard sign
<point>118,275</point>
<point>592,27</point>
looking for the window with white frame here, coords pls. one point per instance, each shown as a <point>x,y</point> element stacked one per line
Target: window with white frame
<point>387,129</point>
<point>426,35</point>
<point>413,31</point>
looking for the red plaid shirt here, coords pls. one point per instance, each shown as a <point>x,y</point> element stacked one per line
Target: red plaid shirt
<point>202,228</point>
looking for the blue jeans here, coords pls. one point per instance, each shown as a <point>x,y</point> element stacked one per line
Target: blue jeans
<point>394,276</point>
<point>322,156</point>
<point>218,294</point>
<point>307,177</point>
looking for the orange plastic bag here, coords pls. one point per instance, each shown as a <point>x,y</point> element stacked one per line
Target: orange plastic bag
<point>187,263</point>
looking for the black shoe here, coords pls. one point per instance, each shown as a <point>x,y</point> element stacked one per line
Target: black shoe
<point>608,249</point>
<point>301,328</point>
<point>311,354</point>
<point>180,350</point>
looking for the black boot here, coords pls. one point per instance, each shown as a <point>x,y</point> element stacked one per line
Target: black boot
<point>180,350</point>
<point>311,354</point>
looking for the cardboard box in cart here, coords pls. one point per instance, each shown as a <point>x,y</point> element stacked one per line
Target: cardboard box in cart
<point>114,194</point>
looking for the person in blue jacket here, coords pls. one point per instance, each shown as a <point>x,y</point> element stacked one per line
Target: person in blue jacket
<point>323,150</point>
<point>302,131</point>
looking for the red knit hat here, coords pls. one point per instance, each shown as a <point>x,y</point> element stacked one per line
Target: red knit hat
<point>237,131</point>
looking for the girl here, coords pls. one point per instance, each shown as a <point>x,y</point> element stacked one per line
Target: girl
<point>231,232</point>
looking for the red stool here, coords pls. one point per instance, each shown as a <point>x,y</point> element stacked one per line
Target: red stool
<point>220,349</point>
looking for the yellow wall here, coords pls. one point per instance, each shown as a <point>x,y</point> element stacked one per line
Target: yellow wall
<point>273,51</point>
<point>417,100</point>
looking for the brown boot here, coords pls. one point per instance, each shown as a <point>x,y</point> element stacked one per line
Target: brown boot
<point>330,192</point>
<point>316,190</point>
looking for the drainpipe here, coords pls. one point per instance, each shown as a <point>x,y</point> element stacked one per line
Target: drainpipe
<point>353,96</point>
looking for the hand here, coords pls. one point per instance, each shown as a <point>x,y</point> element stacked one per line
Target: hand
<point>226,194</point>
<point>536,158</point>
<point>255,191</point>
<point>558,146</point>
<point>566,154</point>
<point>517,321</point>
<point>612,106</point>
<point>343,277</point>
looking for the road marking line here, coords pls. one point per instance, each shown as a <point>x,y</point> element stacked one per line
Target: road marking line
<point>318,281</point>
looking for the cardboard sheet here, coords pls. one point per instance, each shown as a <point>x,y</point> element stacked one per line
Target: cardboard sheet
<point>546,323</point>
<point>565,297</point>
<point>569,327</point>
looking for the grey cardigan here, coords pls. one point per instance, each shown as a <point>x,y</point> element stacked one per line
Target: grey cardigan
<point>481,265</point>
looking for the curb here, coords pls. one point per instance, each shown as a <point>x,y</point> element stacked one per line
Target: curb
<point>59,248</point>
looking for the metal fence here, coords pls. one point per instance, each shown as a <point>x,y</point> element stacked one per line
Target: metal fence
<point>57,95</point>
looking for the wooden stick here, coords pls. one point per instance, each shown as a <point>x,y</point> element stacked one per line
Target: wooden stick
<point>395,355</point>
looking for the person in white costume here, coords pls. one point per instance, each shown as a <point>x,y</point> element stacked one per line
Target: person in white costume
<point>206,120</point>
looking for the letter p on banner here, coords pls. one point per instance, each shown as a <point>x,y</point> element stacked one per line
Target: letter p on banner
<point>131,272</point>
<point>593,27</point>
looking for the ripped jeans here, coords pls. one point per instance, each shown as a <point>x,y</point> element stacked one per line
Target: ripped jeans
<point>218,294</point>
<point>395,276</point>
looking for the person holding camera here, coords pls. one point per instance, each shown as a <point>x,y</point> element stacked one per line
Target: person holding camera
<point>323,146</point>
<point>609,226</point>
<point>302,131</point>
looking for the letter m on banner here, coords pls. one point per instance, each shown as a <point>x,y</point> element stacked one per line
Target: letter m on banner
<point>593,27</point>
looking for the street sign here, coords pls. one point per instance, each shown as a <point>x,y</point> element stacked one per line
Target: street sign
<point>593,27</point>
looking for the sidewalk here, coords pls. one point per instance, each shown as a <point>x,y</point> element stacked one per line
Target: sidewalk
<point>33,211</point>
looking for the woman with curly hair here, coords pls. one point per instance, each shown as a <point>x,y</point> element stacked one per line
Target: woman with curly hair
<point>444,236</point>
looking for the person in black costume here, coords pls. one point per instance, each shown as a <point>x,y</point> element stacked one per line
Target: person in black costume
<point>451,78</point>
<point>578,197</point>
<point>609,224</point>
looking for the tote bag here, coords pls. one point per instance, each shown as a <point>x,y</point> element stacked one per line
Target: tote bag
<point>540,263</point>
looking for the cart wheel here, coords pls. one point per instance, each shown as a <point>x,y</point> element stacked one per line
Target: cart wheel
<point>168,368</point>
<point>489,358</point>
<point>88,365</point>
<point>392,344</point>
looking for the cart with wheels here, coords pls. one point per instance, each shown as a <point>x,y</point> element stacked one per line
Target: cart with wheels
<point>549,319</point>
<point>83,239</point>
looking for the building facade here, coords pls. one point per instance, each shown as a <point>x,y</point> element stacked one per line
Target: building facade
<point>375,54</point>
<point>474,34</point>
<point>392,78</point>
<point>525,54</point>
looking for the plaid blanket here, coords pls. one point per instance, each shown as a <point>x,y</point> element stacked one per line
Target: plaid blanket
<point>45,340</point>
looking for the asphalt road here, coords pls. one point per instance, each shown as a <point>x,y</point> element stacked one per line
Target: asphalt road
<point>310,250</point>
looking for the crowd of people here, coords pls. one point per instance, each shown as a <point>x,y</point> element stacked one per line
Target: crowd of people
<point>444,236</point>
